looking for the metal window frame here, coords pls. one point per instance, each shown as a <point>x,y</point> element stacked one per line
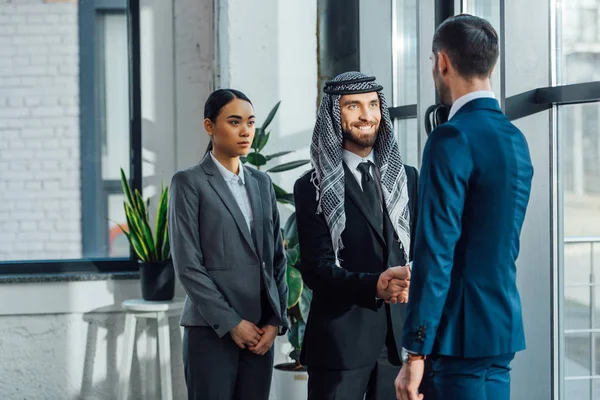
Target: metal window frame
<point>92,185</point>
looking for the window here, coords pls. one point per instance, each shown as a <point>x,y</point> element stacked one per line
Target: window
<point>64,130</point>
<point>578,61</point>
<point>405,77</point>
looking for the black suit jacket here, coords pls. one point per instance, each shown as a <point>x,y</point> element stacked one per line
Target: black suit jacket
<point>347,326</point>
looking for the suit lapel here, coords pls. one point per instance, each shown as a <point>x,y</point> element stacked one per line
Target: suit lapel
<point>257,211</point>
<point>356,195</point>
<point>215,179</point>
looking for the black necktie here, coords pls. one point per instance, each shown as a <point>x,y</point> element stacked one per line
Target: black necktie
<point>370,192</point>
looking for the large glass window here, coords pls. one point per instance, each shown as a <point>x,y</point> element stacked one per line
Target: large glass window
<point>578,61</point>
<point>64,129</point>
<point>406,76</point>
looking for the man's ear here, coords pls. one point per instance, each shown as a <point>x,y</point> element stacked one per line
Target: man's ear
<point>443,63</point>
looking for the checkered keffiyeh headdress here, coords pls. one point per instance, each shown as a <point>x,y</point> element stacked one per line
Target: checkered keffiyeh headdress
<point>326,157</point>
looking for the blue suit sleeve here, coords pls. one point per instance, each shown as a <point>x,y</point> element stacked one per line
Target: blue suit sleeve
<point>445,173</point>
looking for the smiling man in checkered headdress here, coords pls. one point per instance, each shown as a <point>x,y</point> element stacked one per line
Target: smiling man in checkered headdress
<point>355,212</point>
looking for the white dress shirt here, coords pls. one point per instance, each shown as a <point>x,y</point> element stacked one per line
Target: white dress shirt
<point>353,160</point>
<point>461,101</point>
<point>237,185</point>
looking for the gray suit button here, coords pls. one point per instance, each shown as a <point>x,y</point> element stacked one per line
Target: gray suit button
<point>215,326</point>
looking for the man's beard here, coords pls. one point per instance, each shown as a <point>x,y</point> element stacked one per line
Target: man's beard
<point>362,141</point>
<point>442,90</point>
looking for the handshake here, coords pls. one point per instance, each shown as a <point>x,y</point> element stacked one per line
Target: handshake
<point>393,285</point>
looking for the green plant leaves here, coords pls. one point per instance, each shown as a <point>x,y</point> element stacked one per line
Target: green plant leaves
<point>256,159</point>
<point>290,231</point>
<point>296,335</point>
<point>288,166</point>
<point>295,284</point>
<point>147,247</point>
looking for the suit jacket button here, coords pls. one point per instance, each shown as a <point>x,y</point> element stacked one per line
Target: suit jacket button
<point>264,265</point>
<point>215,326</point>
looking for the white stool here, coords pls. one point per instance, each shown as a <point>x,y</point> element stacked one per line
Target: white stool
<point>159,310</point>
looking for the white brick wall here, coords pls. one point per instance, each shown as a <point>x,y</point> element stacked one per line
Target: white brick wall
<point>39,131</point>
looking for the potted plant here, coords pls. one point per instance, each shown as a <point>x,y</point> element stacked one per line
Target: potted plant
<point>291,379</point>
<point>157,277</point>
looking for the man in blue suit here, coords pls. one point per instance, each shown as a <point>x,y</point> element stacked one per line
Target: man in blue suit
<point>464,310</point>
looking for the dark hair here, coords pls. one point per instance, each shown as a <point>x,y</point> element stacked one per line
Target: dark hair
<point>215,103</point>
<point>471,44</point>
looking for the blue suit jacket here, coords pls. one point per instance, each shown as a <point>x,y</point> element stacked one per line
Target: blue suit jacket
<point>473,193</point>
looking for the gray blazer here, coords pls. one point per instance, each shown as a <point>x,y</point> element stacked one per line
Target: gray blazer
<point>214,255</point>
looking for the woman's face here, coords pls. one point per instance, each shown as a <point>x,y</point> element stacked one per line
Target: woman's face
<point>233,131</point>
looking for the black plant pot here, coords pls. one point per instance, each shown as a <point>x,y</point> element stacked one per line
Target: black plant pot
<point>157,280</point>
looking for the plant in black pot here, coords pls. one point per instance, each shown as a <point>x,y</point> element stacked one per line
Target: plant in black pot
<point>157,277</point>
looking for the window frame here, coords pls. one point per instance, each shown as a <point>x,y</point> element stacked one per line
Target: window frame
<point>95,191</point>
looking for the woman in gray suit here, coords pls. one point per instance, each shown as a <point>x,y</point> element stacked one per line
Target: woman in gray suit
<point>228,254</point>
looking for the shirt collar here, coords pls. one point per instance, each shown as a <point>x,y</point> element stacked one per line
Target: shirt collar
<point>227,174</point>
<point>461,101</point>
<point>352,160</point>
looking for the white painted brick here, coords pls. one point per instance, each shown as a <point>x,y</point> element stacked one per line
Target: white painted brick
<point>16,176</point>
<point>27,216</point>
<point>28,246</point>
<point>17,155</point>
<point>50,144</point>
<point>21,60</point>
<point>50,101</point>
<point>7,30</point>
<point>46,226</point>
<point>7,51</point>
<point>17,144</point>
<point>4,216</point>
<point>10,81</point>
<point>71,111</point>
<point>50,164</point>
<point>22,122</point>
<point>14,185</point>
<point>35,19</point>
<point>37,133</point>
<point>51,154</point>
<point>3,144</point>
<point>28,225</point>
<point>44,175</point>
<point>52,19</point>
<point>34,237</point>
<point>6,238</point>
<point>47,111</point>
<point>32,101</point>
<point>33,144</point>
<point>10,134</point>
<point>15,102</point>
<point>36,81</point>
<point>29,9</point>
<point>51,185</point>
<point>35,70</point>
<point>54,59</point>
<point>32,50</point>
<point>35,186</point>
<point>29,40</point>
<point>14,112</point>
<point>9,226</point>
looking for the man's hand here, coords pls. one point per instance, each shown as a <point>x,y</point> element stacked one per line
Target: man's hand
<point>393,285</point>
<point>266,341</point>
<point>246,334</point>
<point>408,380</point>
